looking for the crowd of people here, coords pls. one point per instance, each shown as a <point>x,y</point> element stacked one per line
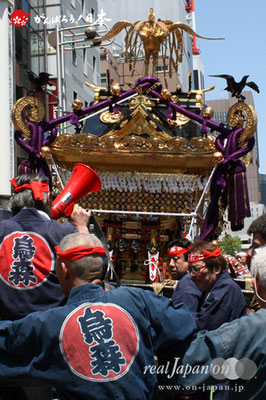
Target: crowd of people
<point>63,334</point>
<point>207,289</point>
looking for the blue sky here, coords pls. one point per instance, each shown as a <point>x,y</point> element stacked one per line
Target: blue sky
<point>243,52</point>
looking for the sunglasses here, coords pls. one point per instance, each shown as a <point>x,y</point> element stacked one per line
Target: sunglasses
<point>195,270</point>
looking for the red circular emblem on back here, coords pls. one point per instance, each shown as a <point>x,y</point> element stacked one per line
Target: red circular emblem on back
<point>25,259</point>
<point>94,345</point>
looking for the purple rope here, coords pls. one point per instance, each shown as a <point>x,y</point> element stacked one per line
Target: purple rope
<point>229,184</point>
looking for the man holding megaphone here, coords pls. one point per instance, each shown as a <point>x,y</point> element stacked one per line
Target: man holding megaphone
<point>27,258</point>
<point>27,262</point>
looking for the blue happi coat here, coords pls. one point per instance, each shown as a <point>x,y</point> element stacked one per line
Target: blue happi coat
<point>27,263</point>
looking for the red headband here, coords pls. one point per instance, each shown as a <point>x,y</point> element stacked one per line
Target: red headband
<point>78,252</point>
<point>204,255</point>
<point>38,188</point>
<point>177,251</point>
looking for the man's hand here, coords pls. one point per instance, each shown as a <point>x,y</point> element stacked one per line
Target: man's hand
<point>80,218</point>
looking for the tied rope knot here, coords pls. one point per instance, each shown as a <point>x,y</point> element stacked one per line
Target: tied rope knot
<point>229,183</point>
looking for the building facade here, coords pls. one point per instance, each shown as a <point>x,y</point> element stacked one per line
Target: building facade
<point>256,211</point>
<point>78,63</point>
<point>26,51</point>
<point>262,184</point>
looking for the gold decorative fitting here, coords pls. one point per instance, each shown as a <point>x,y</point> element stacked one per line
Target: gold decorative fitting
<point>108,117</point>
<point>241,115</point>
<point>208,113</point>
<point>131,225</point>
<point>177,144</point>
<point>36,113</point>
<point>174,98</point>
<point>181,120</point>
<point>109,141</point>
<point>133,142</point>
<point>143,101</point>
<point>116,89</point>
<point>218,157</point>
<point>45,152</point>
<point>77,104</point>
<point>131,236</point>
<point>153,124</point>
<point>132,152</point>
<point>166,94</point>
<point>199,95</point>
<point>139,125</point>
<point>157,119</point>
<point>123,123</point>
<point>247,159</point>
<point>97,90</point>
<point>211,139</point>
<point>202,144</point>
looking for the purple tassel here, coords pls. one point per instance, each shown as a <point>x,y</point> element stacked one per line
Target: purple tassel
<point>229,178</point>
<point>37,141</point>
<point>169,114</point>
<point>116,109</point>
<point>74,119</point>
<point>238,203</point>
<point>204,129</point>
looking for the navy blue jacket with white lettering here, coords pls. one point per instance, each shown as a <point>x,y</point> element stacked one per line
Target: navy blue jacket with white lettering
<point>100,345</point>
<point>27,263</point>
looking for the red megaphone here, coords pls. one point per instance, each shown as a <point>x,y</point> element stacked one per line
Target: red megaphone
<point>83,180</point>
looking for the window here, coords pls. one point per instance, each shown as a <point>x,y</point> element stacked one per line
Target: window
<point>83,8</point>
<point>74,56</point>
<point>224,117</point>
<point>94,69</point>
<point>104,80</point>
<point>196,79</point>
<point>162,68</point>
<point>85,62</point>
<point>219,117</point>
<point>92,14</point>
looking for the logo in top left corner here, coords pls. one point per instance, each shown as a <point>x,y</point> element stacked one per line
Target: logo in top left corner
<point>26,260</point>
<point>19,18</point>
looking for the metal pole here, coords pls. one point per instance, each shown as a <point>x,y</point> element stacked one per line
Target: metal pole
<point>205,189</point>
<point>57,172</point>
<point>6,101</point>
<point>99,111</point>
<point>200,201</point>
<point>59,75</point>
<point>63,70</point>
<point>143,213</point>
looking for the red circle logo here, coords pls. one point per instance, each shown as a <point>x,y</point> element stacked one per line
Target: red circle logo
<point>94,345</point>
<point>26,260</point>
<point>19,18</point>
